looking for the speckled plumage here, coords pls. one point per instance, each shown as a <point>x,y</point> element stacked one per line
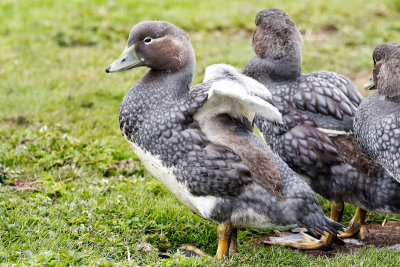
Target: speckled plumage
<point>170,132</point>
<point>316,101</point>
<point>377,121</point>
<point>335,167</point>
<point>210,169</point>
<point>317,108</point>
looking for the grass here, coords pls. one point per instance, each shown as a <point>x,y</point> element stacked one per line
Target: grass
<point>69,194</point>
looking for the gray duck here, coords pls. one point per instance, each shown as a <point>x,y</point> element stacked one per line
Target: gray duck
<point>199,141</point>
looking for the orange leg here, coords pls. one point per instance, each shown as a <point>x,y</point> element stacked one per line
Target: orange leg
<point>225,236</point>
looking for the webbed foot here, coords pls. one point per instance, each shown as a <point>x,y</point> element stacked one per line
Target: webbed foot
<point>302,241</point>
<point>191,251</point>
<point>356,225</point>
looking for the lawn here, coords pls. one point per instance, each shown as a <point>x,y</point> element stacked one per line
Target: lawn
<point>71,190</point>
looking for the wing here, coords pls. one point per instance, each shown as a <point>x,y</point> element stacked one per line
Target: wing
<point>170,133</point>
<point>318,96</point>
<point>293,117</point>
<point>238,95</point>
<point>304,148</point>
<point>228,72</point>
<point>317,100</point>
<point>206,168</point>
<point>309,150</point>
<point>342,83</point>
<point>211,169</point>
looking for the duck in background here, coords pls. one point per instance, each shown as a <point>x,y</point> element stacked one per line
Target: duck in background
<point>199,141</point>
<point>317,140</point>
<point>377,121</point>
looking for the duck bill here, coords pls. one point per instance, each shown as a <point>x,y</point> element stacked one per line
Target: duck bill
<point>127,60</point>
<point>370,85</point>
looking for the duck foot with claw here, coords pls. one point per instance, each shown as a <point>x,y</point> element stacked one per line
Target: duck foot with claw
<point>356,225</point>
<point>191,251</point>
<point>302,241</point>
<point>227,235</point>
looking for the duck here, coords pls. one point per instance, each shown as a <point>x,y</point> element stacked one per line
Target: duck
<point>317,139</point>
<point>377,120</point>
<point>199,142</point>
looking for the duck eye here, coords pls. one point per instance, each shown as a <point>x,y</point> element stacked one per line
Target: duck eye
<point>147,40</point>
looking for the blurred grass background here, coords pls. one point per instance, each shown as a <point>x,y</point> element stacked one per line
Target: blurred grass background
<point>72,191</point>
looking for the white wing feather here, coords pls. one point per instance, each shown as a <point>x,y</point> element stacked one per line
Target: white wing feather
<point>232,90</point>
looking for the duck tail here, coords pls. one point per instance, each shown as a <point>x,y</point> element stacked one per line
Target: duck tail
<point>319,223</point>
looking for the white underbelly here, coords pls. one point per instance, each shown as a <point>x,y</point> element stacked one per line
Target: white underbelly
<point>202,205</point>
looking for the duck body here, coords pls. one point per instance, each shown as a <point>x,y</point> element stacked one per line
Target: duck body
<point>211,173</point>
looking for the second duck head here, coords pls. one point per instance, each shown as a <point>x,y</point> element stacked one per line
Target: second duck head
<point>278,41</point>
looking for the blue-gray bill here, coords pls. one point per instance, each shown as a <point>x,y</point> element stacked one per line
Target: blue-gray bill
<point>127,60</point>
<point>370,85</point>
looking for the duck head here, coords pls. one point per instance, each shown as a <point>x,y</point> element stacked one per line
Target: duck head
<point>158,45</point>
<point>386,72</point>
<point>277,40</point>
<point>276,35</point>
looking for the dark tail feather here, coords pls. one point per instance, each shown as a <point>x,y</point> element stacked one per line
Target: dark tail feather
<point>334,227</point>
<point>322,225</point>
<point>310,231</point>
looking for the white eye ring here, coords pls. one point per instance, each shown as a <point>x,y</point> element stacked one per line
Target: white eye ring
<point>147,40</point>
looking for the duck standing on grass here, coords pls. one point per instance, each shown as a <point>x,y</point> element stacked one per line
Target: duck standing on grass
<point>377,121</point>
<point>199,143</point>
<point>317,140</point>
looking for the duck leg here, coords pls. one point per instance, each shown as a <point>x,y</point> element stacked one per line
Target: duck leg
<point>224,239</point>
<point>233,245</point>
<point>337,211</point>
<point>356,225</point>
<point>307,242</point>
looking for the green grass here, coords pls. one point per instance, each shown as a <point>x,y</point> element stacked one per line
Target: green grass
<point>68,195</point>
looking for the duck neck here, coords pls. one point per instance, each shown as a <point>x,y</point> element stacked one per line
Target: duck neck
<point>172,83</point>
<point>268,70</point>
<point>283,69</point>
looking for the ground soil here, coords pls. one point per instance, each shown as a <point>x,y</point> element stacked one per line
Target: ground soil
<point>376,235</point>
